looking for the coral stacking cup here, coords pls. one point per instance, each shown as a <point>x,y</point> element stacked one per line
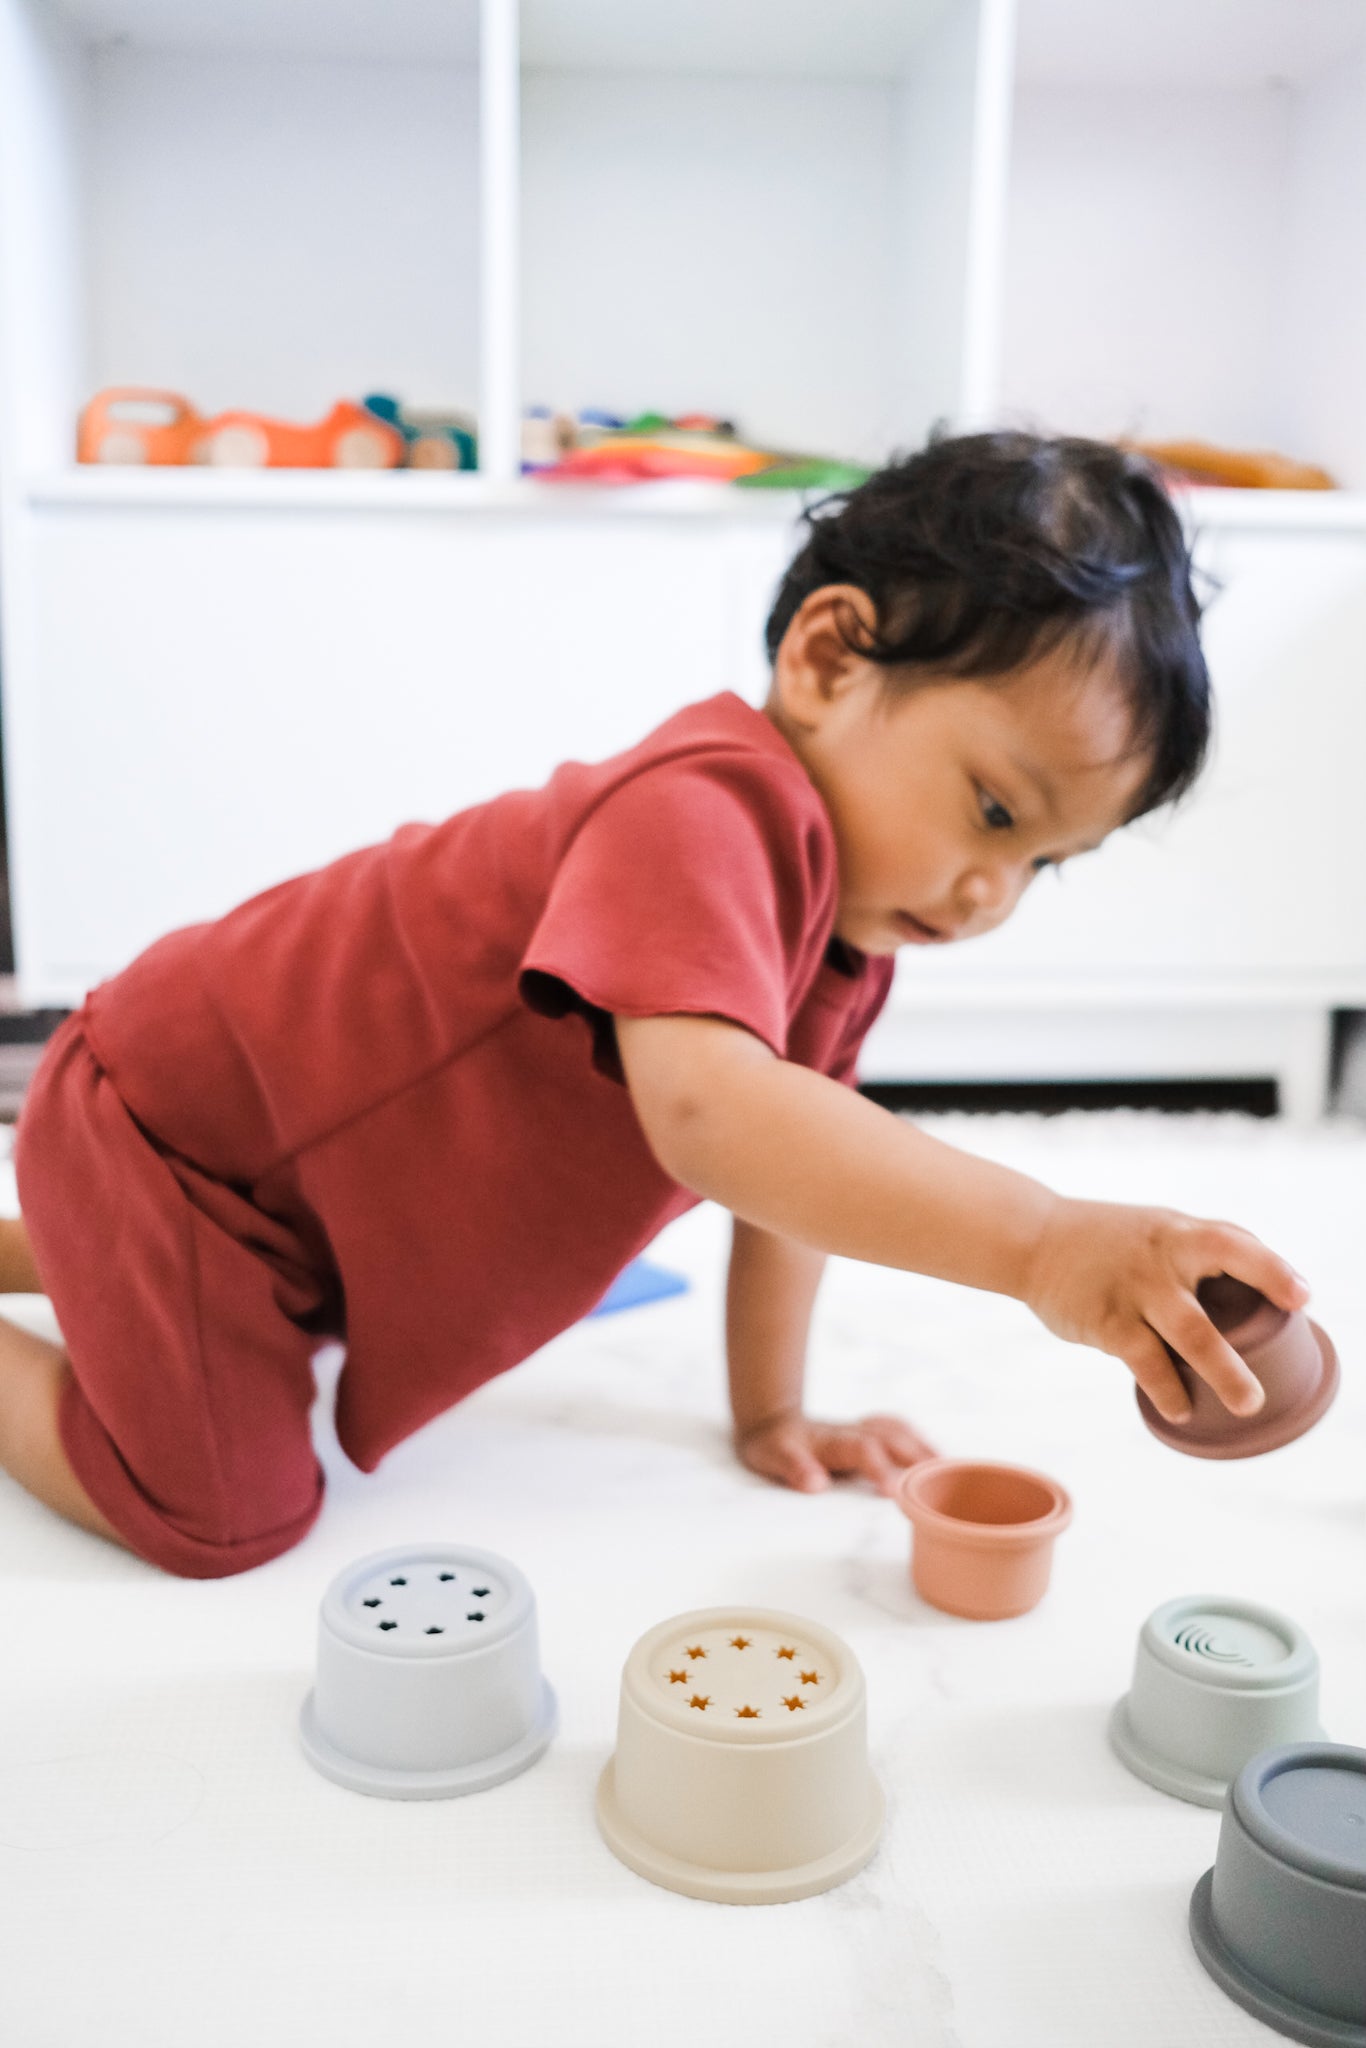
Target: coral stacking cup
<point>983,1545</point>
<point>1292,1357</point>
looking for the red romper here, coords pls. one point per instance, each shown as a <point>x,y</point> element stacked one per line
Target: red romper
<point>382,1102</point>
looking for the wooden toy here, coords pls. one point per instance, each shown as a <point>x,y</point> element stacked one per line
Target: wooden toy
<point>348,438</point>
<point>1199,462</point>
<point>130,423</point>
<point>432,440</point>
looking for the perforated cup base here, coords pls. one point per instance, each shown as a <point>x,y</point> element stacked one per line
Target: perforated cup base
<point>738,1887</point>
<point>741,1770</point>
<point>1273,2008</point>
<point>380,1783</point>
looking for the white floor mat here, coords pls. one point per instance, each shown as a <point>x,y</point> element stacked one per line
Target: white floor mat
<point>173,1875</point>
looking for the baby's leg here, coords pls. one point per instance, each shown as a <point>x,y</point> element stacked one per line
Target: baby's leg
<point>32,1375</point>
<point>18,1274</point>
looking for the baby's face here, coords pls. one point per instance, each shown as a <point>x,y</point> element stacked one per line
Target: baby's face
<point>948,801</point>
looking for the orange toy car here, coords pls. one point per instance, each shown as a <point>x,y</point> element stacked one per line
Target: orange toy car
<point>127,424</point>
<point>349,438</point>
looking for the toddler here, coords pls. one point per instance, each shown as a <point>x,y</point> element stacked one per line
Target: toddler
<point>430,1099</point>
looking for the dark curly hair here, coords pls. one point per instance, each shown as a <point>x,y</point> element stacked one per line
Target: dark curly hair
<point>985,552</point>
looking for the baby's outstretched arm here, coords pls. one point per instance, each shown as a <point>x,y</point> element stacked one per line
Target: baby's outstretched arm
<point>800,1155</point>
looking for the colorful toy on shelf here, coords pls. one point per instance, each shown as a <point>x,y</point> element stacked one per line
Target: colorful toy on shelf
<point>349,438</point>
<point>806,473</point>
<point>432,439</point>
<point>547,437</point>
<point>130,425</point>
<point>600,448</point>
<point>1199,462</point>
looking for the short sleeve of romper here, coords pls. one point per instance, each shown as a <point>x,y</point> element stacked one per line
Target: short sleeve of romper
<point>706,886</point>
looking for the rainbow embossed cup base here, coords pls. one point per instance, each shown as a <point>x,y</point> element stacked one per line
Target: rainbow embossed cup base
<point>1215,1681</point>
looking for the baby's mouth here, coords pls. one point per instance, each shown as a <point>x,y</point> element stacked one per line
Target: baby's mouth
<point>919,932</point>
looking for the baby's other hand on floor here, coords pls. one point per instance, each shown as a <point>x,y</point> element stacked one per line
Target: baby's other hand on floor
<point>794,1450</point>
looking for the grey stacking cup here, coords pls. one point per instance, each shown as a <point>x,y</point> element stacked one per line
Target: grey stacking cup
<point>1215,1681</point>
<point>428,1678</point>
<point>1280,1921</point>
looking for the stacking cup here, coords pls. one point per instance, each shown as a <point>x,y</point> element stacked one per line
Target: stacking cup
<point>1280,1920</point>
<point>1293,1358</point>
<point>983,1542</point>
<point>428,1679</point>
<point>1216,1680</point>
<point>741,1770</point>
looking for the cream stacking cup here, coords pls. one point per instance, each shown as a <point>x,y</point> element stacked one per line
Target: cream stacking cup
<point>1215,1681</point>
<point>741,1770</point>
<point>428,1677</point>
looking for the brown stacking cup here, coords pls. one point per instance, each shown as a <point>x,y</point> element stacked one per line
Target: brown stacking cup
<point>1292,1357</point>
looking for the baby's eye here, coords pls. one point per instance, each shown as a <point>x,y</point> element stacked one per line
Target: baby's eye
<point>996,815</point>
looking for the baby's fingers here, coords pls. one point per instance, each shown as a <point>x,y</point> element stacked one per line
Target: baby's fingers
<point>906,1445</point>
<point>786,1459</point>
<point>1146,1357</point>
<point>1194,1338</point>
<point>866,1455</point>
<point>1247,1259</point>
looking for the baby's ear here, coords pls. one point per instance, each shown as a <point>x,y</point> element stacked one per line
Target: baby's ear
<point>822,653</point>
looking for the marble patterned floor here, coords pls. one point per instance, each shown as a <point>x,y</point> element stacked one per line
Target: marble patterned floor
<point>173,1874</point>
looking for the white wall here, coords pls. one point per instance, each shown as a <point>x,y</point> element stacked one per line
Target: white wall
<point>236,200</point>
<point>712,244</point>
<point>42,299</point>
<point>1324,289</point>
<point>1146,262</point>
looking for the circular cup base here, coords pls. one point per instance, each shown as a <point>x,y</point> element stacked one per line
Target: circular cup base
<point>737,1887</point>
<point>1272,2007</point>
<point>380,1782</point>
<point>1251,1439</point>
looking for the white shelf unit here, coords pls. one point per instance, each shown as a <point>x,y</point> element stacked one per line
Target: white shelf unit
<point>1187,184</point>
<point>834,225</point>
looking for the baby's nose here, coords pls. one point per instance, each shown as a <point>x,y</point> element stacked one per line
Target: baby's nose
<point>988,890</point>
